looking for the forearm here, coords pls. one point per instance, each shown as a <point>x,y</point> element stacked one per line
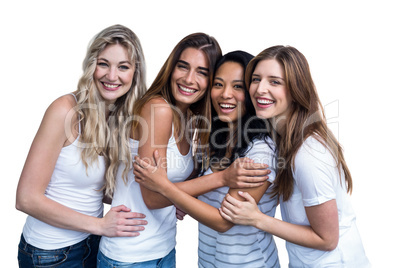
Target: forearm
<point>202,185</point>
<point>154,200</point>
<point>55,214</point>
<point>200,211</point>
<point>194,187</point>
<point>297,234</point>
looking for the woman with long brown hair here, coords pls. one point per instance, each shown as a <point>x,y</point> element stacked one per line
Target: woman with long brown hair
<point>313,180</point>
<point>165,118</point>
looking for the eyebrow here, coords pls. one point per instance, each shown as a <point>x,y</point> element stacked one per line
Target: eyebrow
<point>199,67</point>
<point>270,76</point>
<point>121,62</point>
<point>277,77</point>
<point>235,81</point>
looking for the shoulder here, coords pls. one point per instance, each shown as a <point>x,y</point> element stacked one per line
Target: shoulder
<point>159,108</point>
<point>62,106</point>
<point>263,151</point>
<point>264,146</point>
<point>58,118</point>
<point>315,172</point>
<point>314,162</point>
<point>60,110</point>
<point>157,120</point>
<point>312,152</point>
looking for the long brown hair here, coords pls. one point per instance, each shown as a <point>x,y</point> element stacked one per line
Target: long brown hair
<point>161,87</point>
<point>306,117</point>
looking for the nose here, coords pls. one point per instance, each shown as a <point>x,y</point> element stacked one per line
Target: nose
<point>227,92</point>
<point>112,74</point>
<point>262,87</point>
<point>189,79</point>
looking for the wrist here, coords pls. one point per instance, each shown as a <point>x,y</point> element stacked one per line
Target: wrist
<point>96,226</point>
<point>258,220</point>
<point>223,179</point>
<point>167,189</point>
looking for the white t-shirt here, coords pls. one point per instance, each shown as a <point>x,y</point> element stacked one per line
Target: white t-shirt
<point>316,181</point>
<point>159,236</point>
<point>241,246</point>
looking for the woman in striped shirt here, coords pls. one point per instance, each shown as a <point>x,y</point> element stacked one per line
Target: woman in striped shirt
<point>236,133</point>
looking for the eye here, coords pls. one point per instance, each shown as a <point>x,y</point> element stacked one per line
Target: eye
<point>203,73</point>
<point>238,86</point>
<point>182,66</point>
<point>255,80</point>
<point>102,64</point>
<point>124,67</point>
<point>217,84</point>
<point>275,82</point>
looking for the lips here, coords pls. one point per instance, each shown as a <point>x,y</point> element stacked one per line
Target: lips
<point>186,90</point>
<point>264,102</point>
<point>227,107</point>
<point>110,87</point>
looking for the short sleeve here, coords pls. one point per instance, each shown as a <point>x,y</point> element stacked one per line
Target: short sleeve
<point>315,173</point>
<point>263,151</point>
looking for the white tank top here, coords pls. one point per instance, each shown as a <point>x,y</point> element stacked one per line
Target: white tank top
<point>159,236</point>
<point>72,186</point>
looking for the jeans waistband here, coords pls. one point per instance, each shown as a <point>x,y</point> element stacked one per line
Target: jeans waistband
<point>26,245</point>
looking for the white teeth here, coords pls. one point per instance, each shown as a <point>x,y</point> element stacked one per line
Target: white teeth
<point>110,86</point>
<point>264,101</point>
<point>227,106</point>
<point>188,90</point>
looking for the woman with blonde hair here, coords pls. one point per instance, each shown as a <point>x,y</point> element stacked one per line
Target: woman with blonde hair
<point>313,181</point>
<point>60,187</point>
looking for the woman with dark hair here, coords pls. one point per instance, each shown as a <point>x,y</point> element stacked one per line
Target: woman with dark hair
<point>164,118</point>
<point>236,133</point>
<point>313,181</point>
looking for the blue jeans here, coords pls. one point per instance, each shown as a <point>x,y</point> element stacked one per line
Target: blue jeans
<point>169,261</point>
<point>82,254</point>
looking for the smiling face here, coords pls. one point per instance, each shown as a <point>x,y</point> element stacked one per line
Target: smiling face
<point>270,96</point>
<point>190,77</point>
<point>227,92</point>
<point>114,73</point>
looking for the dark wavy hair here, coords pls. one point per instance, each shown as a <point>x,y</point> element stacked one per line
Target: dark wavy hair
<point>226,147</point>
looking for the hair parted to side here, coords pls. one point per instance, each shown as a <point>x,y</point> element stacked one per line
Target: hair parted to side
<point>161,87</point>
<point>306,117</point>
<point>101,137</point>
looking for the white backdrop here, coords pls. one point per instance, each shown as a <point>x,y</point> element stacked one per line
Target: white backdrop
<point>353,48</point>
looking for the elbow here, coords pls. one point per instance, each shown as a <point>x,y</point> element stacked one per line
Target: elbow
<point>148,202</point>
<point>22,203</point>
<point>223,226</point>
<point>151,203</point>
<point>331,244</point>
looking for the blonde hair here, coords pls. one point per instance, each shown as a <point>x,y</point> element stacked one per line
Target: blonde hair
<point>101,137</point>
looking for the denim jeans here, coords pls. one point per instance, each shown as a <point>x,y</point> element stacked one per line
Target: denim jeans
<point>169,261</point>
<point>82,254</point>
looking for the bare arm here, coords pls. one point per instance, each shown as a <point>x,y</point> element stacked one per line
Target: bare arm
<point>37,171</point>
<point>322,234</point>
<point>202,212</point>
<point>242,173</point>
